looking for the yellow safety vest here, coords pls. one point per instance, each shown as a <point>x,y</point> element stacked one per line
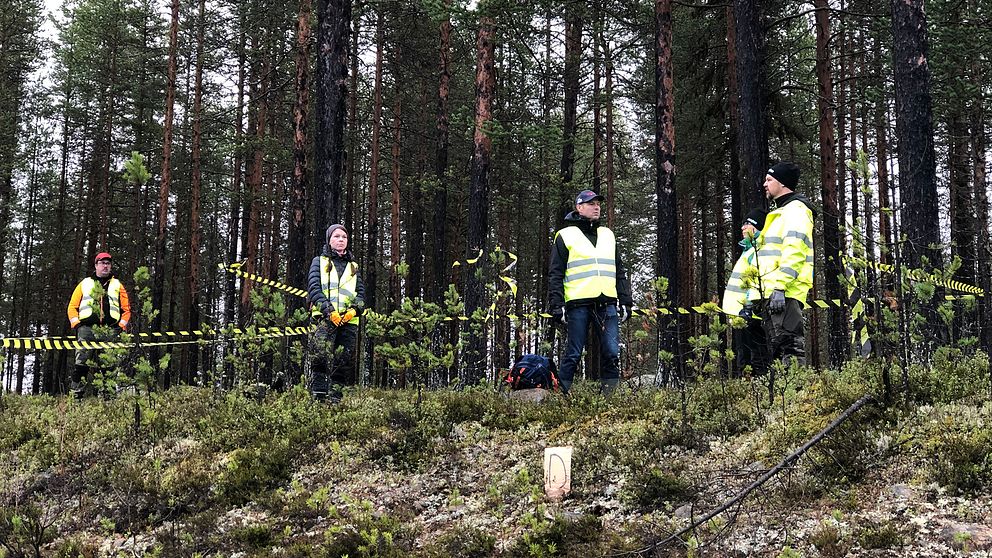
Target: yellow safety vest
<point>87,304</point>
<point>785,256</point>
<point>591,271</point>
<point>739,292</point>
<point>340,291</point>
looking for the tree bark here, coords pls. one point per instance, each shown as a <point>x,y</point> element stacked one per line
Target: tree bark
<point>574,14</point>
<point>478,204</point>
<point>193,295</point>
<point>333,19</point>
<point>828,181</point>
<point>296,263</point>
<point>158,288</point>
<point>753,132</point>
<point>395,294</point>
<point>371,246</point>
<point>439,262</point>
<point>667,221</point>
<point>914,128</point>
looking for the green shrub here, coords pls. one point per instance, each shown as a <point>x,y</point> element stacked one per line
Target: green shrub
<point>465,542</point>
<point>955,443</point>
<point>879,535</point>
<point>954,375</point>
<point>560,536</point>
<point>653,487</point>
<point>829,541</point>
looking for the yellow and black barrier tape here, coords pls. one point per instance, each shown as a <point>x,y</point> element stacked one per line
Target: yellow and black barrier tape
<point>234,334</point>
<point>235,268</point>
<point>72,343</point>
<point>922,276</point>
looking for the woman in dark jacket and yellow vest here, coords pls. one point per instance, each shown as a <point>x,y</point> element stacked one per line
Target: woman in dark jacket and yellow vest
<point>337,297</point>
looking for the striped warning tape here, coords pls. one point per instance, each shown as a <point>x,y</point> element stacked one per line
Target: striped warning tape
<point>920,275</point>
<point>235,268</point>
<point>234,334</point>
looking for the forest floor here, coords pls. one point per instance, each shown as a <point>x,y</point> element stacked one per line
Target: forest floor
<point>193,472</point>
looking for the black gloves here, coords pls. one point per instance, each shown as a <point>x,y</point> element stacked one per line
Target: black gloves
<point>776,302</point>
<point>558,316</point>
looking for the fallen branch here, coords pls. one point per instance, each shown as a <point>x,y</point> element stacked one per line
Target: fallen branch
<point>787,462</point>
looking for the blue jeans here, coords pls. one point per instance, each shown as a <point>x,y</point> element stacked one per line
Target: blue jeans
<point>606,320</point>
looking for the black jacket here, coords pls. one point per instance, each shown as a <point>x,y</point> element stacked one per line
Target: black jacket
<point>316,293</point>
<point>559,259</point>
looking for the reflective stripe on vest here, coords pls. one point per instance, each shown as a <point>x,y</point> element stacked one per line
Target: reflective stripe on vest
<point>339,291</point>
<point>591,271</point>
<point>86,303</point>
<point>738,294</point>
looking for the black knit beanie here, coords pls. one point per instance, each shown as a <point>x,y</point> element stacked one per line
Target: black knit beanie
<point>787,173</point>
<point>756,218</point>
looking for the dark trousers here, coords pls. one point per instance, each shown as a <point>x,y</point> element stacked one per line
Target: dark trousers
<point>786,333</point>
<point>604,317</point>
<point>333,365</point>
<point>752,348</point>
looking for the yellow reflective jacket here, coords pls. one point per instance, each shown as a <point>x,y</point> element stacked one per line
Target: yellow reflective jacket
<point>785,255</point>
<point>742,287</point>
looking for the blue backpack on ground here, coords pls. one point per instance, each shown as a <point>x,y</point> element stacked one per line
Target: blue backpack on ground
<point>533,371</point>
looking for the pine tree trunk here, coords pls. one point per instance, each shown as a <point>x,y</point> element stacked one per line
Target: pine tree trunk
<point>371,252</point>
<point>667,219</point>
<point>573,61</point>
<point>914,129</point>
<point>193,295</point>
<point>478,203</point>
<point>333,19</point>
<point>259,91</point>
<point>984,255</point>
<point>828,181</point>
<point>753,132</point>
<point>733,98</point>
<point>352,159</point>
<point>159,273</point>
<point>962,208</point>
<point>439,261</point>
<point>296,263</point>
<point>610,169</point>
<point>395,295</point>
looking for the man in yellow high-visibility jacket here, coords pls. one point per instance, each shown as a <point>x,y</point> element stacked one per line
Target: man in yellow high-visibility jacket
<point>98,300</point>
<point>785,263</point>
<point>587,284</point>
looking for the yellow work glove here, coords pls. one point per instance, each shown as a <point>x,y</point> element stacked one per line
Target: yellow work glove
<point>335,318</point>
<point>348,315</point>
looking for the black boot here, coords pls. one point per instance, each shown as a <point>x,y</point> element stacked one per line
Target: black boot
<point>76,384</point>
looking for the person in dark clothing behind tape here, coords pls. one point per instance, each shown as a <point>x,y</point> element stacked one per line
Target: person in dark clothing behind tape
<point>587,283</point>
<point>337,297</point>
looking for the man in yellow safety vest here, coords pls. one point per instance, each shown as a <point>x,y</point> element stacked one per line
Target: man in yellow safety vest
<point>587,284</point>
<point>785,263</point>
<point>98,300</point>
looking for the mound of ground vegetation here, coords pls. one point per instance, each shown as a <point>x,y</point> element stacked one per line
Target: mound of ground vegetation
<point>459,472</point>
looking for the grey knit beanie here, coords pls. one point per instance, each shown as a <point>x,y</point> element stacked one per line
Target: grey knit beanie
<point>330,231</point>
